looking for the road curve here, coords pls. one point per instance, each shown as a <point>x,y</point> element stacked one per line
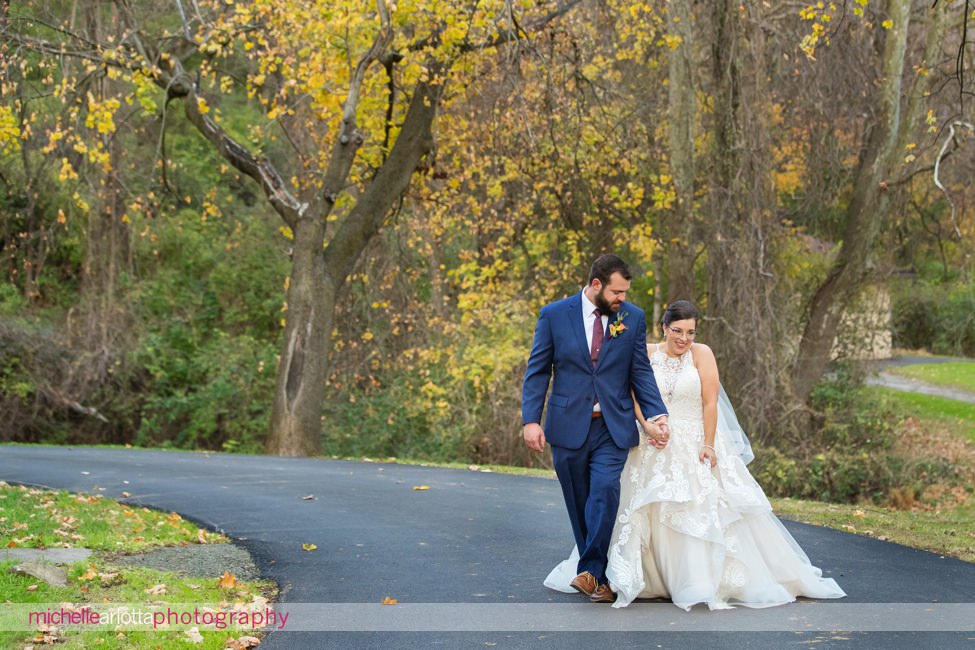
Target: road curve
<point>465,558</point>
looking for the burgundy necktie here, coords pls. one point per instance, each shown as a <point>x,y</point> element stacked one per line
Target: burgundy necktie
<point>597,337</point>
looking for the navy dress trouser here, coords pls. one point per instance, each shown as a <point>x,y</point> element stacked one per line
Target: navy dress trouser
<point>590,480</point>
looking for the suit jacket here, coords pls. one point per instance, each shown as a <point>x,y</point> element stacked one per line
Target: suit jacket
<point>560,354</point>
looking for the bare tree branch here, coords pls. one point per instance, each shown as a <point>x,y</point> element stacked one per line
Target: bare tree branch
<point>937,166</point>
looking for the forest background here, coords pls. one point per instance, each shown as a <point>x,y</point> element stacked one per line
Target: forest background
<point>303,228</point>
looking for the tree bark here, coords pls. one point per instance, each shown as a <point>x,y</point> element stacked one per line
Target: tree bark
<point>107,250</point>
<point>741,320</point>
<point>295,428</point>
<point>679,234</point>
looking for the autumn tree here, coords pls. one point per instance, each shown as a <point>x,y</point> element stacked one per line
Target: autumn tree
<point>353,89</point>
<point>554,156</point>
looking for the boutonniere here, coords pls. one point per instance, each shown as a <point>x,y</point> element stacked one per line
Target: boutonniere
<point>617,326</point>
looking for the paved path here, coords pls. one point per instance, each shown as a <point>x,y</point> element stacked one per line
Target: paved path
<point>906,384</point>
<point>466,558</point>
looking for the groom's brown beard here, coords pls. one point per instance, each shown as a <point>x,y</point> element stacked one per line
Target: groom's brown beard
<point>604,305</point>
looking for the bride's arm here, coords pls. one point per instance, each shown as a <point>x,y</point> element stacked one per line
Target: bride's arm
<point>651,429</point>
<point>707,368</point>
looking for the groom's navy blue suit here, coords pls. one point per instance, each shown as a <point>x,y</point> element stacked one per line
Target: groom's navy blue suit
<point>589,453</point>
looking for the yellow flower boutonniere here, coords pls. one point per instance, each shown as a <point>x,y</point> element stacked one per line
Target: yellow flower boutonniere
<point>617,326</point>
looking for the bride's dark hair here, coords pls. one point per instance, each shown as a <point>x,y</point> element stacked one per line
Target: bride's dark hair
<point>680,310</point>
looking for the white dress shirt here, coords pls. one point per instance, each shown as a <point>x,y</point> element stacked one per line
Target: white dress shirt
<point>589,318</point>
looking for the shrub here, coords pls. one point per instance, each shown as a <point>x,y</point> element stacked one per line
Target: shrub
<point>938,318</point>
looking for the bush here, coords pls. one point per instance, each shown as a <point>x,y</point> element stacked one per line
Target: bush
<point>938,318</point>
<point>777,473</point>
<point>205,394</point>
<point>849,453</point>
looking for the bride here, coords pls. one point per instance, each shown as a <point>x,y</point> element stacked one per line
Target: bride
<point>693,525</point>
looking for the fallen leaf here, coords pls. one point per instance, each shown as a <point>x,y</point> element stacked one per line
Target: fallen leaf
<point>388,601</point>
<point>46,639</point>
<point>309,547</point>
<point>421,487</point>
<point>228,581</point>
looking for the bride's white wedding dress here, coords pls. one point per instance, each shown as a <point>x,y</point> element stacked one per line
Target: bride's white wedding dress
<point>693,533</point>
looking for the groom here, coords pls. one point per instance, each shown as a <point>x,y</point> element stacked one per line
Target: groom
<point>592,346</point>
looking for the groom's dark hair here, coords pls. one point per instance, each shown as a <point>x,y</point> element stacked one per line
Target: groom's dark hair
<point>605,266</point>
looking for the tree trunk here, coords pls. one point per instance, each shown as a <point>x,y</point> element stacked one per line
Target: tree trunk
<point>678,231</point>
<point>318,273</point>
<point>868,209</point>
<point>741,319</point>
<point>300,388</point>
<point>107,250</point>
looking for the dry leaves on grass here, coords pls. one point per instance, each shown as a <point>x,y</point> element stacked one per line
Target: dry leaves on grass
<point>936,441</point>
<point>228,581</point>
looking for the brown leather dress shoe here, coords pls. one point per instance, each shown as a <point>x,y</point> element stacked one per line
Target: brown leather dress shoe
<point>603,594</point>
<point>584,583</point>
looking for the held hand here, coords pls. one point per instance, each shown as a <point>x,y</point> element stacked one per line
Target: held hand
<point>708,454</point>
<point>656,437</point>
<point>664,428</point>
<point>534,436</point>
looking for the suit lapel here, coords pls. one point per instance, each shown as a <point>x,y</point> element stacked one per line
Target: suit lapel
<point>574,316</point>
<point>607,338</point>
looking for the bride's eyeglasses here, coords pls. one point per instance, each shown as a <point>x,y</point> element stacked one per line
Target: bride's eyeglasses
<point>679,333</point>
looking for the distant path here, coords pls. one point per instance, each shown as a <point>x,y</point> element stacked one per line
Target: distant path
<point>465,559</point>
<point>897,382</point>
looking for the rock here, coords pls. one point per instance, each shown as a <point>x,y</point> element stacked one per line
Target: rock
<point>49,573</point>
<point>52,555</point>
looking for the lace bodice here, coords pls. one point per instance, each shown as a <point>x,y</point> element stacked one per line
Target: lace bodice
<point>679,384</point>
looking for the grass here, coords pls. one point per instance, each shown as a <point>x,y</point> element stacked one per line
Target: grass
<point>960,375</point>
<point>949,532</point>
<point>34,518</point>
<point>37,518</point>
<point>960,416</point>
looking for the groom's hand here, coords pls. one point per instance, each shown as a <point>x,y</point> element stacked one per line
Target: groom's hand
<point>534,436</point>
<point>664,428</point>
<point>658,433</point>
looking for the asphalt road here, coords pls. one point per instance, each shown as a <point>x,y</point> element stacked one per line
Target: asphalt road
<point>465,559</point>
<point>906,384</point>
